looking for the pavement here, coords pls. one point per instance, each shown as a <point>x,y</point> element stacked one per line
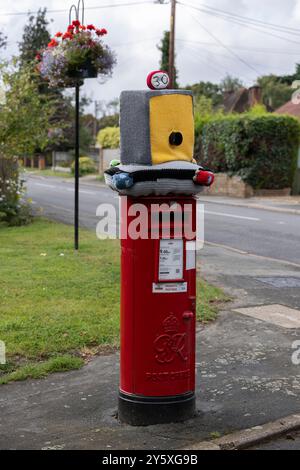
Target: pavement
<point>245,373</point>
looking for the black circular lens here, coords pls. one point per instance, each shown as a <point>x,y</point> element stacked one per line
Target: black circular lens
<point>176,138</point>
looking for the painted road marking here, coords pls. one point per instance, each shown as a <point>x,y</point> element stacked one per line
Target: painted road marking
<point>253,255</point>
<point>92,193</point>
<point>46,185</point>
<point>82,191</point>
<point>224,214</point>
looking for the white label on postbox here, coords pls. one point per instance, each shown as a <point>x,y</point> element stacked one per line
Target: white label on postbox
<point>190,255</point>
<point>169,288</point>
<point>170,260</point>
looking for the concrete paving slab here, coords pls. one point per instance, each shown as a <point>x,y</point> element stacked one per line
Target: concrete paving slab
<point>276,314</point>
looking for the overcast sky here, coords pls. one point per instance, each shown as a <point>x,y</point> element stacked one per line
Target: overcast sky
<point>134,32</point>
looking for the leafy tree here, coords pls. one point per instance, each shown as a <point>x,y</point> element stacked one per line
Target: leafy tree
<point>35,36</point>
<point>203,105</point>
<point>108,121</point>
<point>275,93</point>
<point>289,79</point>
<point>208,90</point>
<point>230,83</point>
<point>110,112</point>
<point>26,115</point>
<point>163,47</point>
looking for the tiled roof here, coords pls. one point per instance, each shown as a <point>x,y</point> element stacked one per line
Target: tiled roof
<point>289,108</point>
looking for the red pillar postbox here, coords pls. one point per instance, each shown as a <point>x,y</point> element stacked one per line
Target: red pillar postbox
<point>159,178</point>
<point>158,296</point>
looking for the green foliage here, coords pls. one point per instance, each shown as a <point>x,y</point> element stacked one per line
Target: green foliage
<point>26,115</point>
<point>275,93</point>
<point>230,83</point>
<point>214,91</point>
<point>109,138</point>
<point>163,47</point>
<point>86,166</point>
<point>109,121</point>
<point>204,113</point>
<point>262,149</point>
<point>257,110</point>
<point>209,301</point>
<point>42,369</point>
<point>35,36</point>
<point>14,211</point>
<point>289,79</point>
<point>207,90</point>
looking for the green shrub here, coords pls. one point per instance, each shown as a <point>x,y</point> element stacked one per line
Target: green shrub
<point>261,148</point>
<point>204,113</point>
<point>14,210</point>
<point>86,166</point>
<point>109,138</point>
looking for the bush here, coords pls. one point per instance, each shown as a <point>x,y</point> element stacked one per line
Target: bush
<point>109,138</point>
<point>14,211</point>
<point>262,149</point>
<point>86,166</point>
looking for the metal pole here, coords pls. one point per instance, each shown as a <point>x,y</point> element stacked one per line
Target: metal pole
<point>172,45</point>
<point>76,205</point>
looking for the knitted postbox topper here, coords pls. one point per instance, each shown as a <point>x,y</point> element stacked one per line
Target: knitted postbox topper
<point>157,145</point>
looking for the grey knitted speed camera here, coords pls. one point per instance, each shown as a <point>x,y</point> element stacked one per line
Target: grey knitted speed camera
<point>135,124</point>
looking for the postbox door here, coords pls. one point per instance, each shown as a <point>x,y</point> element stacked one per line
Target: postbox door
<point>164,324</point>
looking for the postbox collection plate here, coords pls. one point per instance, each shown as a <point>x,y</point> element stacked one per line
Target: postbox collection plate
<point>171,260</point>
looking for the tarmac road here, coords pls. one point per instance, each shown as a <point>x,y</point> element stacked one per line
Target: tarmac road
<point>260,232</point>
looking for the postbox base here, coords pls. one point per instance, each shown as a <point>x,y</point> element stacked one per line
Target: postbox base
<point>145,411</point>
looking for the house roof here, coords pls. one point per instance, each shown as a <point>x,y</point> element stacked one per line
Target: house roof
<point>289,108</point>
<point>237,101</point>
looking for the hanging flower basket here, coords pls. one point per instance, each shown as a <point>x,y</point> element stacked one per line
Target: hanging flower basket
<point>86,70</point>
<point>77,54</point>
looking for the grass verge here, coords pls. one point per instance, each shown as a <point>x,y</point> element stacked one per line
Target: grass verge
<point>60,174</point>
<point>58,307</point>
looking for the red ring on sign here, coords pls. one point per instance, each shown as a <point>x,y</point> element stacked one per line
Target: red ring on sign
<point>149,80</point>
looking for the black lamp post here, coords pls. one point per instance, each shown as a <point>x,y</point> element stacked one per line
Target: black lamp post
<point>78,83</point>
<point>77,75</point>
<point>77,143</point>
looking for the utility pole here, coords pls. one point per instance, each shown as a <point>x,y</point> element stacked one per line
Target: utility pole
<point>172,45</point>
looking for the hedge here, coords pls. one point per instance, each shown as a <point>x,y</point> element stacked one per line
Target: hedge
<point>86,166</point>
<point>109,138</point>
<point>261,149</point>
